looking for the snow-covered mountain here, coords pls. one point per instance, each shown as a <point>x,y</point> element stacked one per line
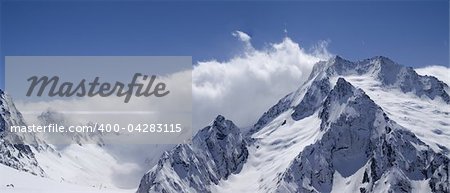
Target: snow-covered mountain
<point>52,117</point>
<point>13,153</point>
<point>361,149</point>
<point>366,126</point>
<point>73,165</point>
<point>217,151</point>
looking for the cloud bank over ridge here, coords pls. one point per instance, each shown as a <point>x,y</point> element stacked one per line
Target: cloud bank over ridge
<point>243,87</point>
<point>240,88</point>
<point>440,72</point>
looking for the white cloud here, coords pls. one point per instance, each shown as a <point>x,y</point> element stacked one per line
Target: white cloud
<point>241,35</point>
<point>245,38</point>
<point>440,72</point>
<point>245,86</point>
<point>241,88</point>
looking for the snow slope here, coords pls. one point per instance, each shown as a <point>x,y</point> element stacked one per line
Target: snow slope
<point>87,165</point>
<point>428,119</point>
<point>277,144</point>
<point>25,182</point>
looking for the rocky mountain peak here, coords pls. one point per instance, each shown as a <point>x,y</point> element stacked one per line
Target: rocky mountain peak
<point>359,137</point>
<point>217,151</point>
<point>382,60</point>
<point>342,88</point>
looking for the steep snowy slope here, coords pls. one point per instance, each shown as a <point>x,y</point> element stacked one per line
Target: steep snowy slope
<point>419,103</point>
<point>13,154</point>
<point>217,151</point>
<point>273,148</point>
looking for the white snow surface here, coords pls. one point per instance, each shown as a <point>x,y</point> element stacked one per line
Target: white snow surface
<point>24,182</point>
<point>87,165</point>
<point>347,184</point>
<point>277,145</point>
<point>428,119</point>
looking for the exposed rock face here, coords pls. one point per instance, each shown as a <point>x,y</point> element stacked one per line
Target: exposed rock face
<point>391,74</point>
<point>216,152</point>
<point>13,152</point>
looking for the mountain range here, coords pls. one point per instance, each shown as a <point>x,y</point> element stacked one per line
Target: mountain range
<point>335,133</point>
<point>354,126</point>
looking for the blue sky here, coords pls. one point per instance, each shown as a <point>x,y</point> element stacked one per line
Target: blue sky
<point>414,33</point>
